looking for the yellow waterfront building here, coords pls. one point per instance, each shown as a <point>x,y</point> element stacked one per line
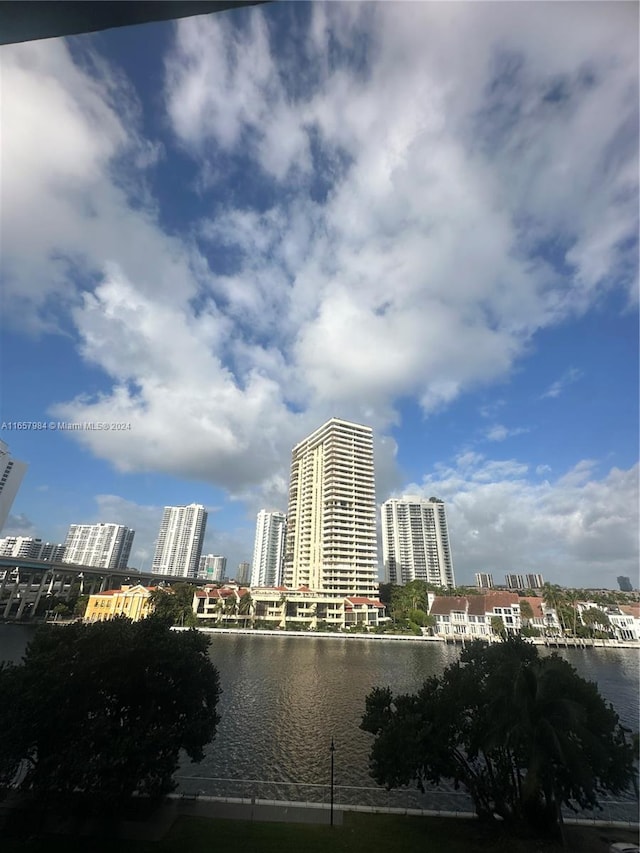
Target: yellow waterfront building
<point>134,602</point>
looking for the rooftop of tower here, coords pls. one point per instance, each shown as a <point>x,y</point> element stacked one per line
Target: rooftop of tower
<point>338,422</point>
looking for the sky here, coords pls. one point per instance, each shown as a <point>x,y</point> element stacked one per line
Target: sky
<point>222,231</point>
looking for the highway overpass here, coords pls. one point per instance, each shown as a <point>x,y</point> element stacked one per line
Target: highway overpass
<point>24,583</point>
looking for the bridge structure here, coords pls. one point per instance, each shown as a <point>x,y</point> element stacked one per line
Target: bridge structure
<point>24,583</point>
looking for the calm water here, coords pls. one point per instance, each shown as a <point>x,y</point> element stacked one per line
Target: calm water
<point>285,698</point>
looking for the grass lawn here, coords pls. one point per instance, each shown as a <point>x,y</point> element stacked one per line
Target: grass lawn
<point>360,833</point>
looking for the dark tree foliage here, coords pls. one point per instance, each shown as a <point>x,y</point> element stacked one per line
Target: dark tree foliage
<point>174,605</point>
<point>104,710</point>
<point>522,734</point>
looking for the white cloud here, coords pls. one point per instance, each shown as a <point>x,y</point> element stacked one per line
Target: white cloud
<point>499,432</point>
<point>415,272</point>
<point>568,378</point>
<point>578,529</point>
<point>19,525</point>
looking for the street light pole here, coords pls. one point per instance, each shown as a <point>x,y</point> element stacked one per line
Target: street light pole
<point>332,749</point>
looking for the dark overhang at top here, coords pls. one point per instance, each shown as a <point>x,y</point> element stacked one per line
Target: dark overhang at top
<point>28,20</point>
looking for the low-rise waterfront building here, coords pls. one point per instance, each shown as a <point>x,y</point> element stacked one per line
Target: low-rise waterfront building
<point>282,607</point>
<point>471,615</point>
<point>625,621</point>
<point>134,602</point>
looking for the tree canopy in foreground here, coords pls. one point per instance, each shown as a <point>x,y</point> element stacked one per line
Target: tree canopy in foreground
<point>523,734</point>
<point>103,710</point>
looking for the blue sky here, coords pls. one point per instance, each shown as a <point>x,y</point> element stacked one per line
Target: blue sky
<point>423,217</point>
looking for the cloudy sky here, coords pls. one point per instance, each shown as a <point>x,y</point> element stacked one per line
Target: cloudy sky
<point>418,216</point>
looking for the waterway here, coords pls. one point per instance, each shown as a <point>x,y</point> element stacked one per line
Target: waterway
<point>284,699</point>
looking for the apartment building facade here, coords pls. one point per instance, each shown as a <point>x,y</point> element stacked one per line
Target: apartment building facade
<point>180,541</point>
<point>102,545</point>
<point>415,541</point>
<point>330,544</point>
<point>268,550</point>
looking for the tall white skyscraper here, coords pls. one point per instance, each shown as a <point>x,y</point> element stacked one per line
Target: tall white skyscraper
<point>11,473</point>
<point>180,541</point>
<point>212,567</point>
<point>415,541</point>
<point>331,528</point>
<point>268,550</point>
<point>106,546</point>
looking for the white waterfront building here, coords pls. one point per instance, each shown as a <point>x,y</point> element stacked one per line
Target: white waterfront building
<point>268,549</point>
<point>180,541</point>
<point>415,541</point>
<point>103,545</point>
<point>11,473</point>
<point>331,542</point>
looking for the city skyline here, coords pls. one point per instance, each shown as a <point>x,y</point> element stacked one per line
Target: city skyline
<point>420,217</point>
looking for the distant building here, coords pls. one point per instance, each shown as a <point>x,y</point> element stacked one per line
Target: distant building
<point>268,549</point>
<point>26,547</point>
<point>244,573</point>
<point>484,580</point>
<point>415,541</point>
<point>331,543</point>
<point>134,602</point>
<point>180,541</point>
<point>11,474</point>
<point>625,584</point>
<point>212,568</point>
<point>527,581</point>
<point>534,581</point>
<point>105,546</point>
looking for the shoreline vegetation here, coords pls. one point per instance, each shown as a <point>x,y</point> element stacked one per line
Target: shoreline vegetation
<point>551,642</point>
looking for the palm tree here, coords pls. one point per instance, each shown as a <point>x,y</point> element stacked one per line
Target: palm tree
<point>526,611</point>
<point>245,607</point>
<point>553,597</point>
<point>282,601</point>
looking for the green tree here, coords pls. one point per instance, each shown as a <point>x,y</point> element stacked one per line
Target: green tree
<point>245,607</point>
<point>497,626</point>
<point>526,611</point>
<point>522,734</point>
<point>553,596</point>
<point>81,605</point>
<point>593,616</point>
<point>102,711</point>
<point>174,605</point>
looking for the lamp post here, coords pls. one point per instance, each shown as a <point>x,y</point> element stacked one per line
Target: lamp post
<point>332,749</point>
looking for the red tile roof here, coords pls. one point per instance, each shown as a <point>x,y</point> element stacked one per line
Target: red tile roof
<point>444,604</point>
<point>537,605</point>
<point>370,601</point>
<point>631,610</point>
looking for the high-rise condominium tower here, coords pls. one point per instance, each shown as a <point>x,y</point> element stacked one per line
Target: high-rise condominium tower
<point>103,545</point>
<point>415,541</point>
<point>243,575</point>
<point>331,526</point>
<point>26,547</point>
<point>484,580</point>
<point>11,473</point>
<point>180,541</point>
<point>212,567</point>
<point>268,550</point>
